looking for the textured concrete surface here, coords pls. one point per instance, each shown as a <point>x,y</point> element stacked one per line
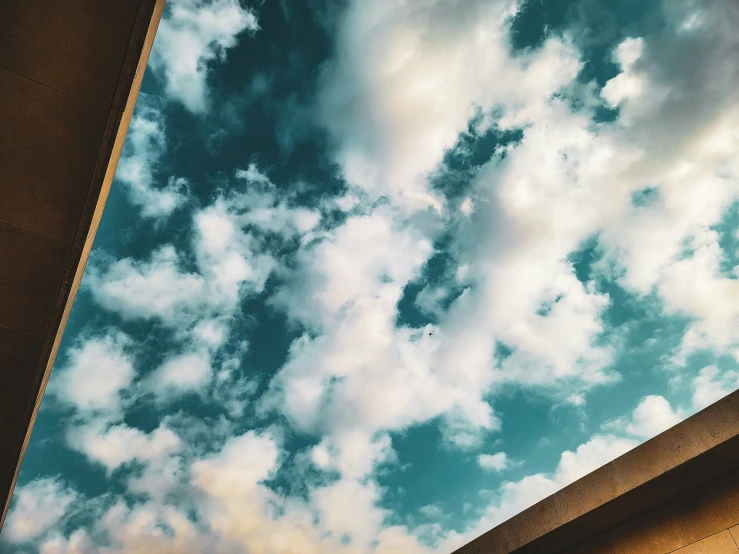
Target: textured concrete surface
<point>70,71</point>
<point>678,492</point>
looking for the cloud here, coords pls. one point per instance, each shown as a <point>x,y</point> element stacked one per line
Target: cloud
<point>684,116</point>
<point>350,264</point>
<point>243,463</point>
<point>119,444</point>
<point>652,415</point>
<point>232,242</point>
<point>97,373</point>
<point>512,497</point>
<point>37,506</point>
<point>139,167</point>
<point>589,456</point>
<point>396,120</point>
<point>431,510</point>
<point>182,373</point>
<point>194,35</point>
<point>393,120</point>
<point>362,372</point>
<point>494,462</point>
<point>157,288</point>
<point>349,507</point>
<point>695,286</point>
<point>711,384</point>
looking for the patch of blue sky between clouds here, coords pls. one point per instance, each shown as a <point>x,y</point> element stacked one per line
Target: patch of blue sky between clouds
<point>376,276</point>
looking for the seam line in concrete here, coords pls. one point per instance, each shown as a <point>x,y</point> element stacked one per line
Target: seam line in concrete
<point>682,531</point>
<point>65,243</point>
<point>704,538</point>
<point>687,430</point>
<point>101,110</point>
<point>23,332</point>
<point>618,475</point>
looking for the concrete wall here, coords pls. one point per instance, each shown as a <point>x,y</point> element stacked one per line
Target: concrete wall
<point>70,71</point>
<point>704,521</point>
<point>678,492</point>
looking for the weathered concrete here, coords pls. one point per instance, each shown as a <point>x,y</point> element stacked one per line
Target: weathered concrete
<point>678,492</point>
<point>70,72</point>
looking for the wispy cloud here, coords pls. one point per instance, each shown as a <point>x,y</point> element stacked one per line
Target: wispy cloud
<point>155,195</point>
<point>193,36</point>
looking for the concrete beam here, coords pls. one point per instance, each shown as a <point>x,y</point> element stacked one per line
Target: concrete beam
<point>70,73</point>
<point>678,492</point>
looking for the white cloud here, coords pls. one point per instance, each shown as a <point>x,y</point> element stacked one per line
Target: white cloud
<point>354,453</point>
<point>494,462</point>
<point>211,333</point>
<point>589,456</point>
<point>392,123</point>
<point>231,259</point>
<point>242,464</point>
<point>407,79</point>
<point>695,286</point>
<point>336,273</point>
<point>692,162</point>
<point>157,288</point>
<point>192,36</point>
<point>349,507</point>
<point>182,373</point>
<point>37,506</point>
<point>97,372</point>
<point>652,415</point>
<point>512,497</point>
<point>113,446</point>
<point>363,373</point>
<point>233,240</point>
<point>146,142</point>
<point>431,511</point>
<point>77,543</point>
<point>711,384</point>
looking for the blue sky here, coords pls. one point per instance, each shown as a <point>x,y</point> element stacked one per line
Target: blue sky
<point>375,276</point>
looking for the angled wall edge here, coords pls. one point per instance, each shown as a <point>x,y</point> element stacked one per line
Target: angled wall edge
<point>678,492</point>
<point>70,74</point>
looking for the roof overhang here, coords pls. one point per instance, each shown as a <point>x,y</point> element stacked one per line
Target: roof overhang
<point>691,467</point>
<point>70,73</point>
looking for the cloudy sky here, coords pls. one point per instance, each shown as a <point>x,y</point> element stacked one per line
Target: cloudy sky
<point>375,276</point>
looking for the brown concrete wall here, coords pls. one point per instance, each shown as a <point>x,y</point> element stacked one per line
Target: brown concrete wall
<point>704,521</point>
<point>679,490</point>
<point>70,71</point>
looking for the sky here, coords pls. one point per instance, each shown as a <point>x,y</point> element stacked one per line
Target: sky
<point>375,276</point>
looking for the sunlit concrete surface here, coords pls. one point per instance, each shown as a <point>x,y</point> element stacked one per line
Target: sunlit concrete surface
<point>70,71</point>
<point>678,492</point>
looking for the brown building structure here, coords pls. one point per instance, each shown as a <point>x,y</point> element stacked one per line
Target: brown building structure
<point>676,493</point>
<point>70,72</point>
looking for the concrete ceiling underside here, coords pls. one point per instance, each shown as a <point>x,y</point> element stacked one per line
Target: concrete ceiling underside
<point>70,72</point>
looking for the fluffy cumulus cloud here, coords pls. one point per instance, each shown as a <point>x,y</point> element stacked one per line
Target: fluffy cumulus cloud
<point>421,295</point>
<point>97,373</point>
<point>653,414</point>
<point>119,444</point>
<point>494,462</point>
<point>39,505</point>
<point>194,35</point>
<point>147,289</point>
<point>712,384</point>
